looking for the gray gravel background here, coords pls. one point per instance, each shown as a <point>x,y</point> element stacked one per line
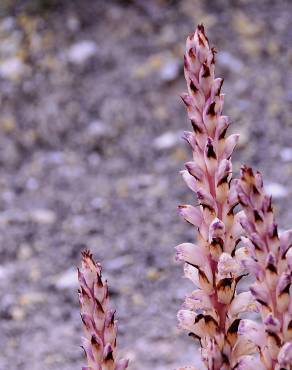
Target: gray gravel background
<point>90,151</point>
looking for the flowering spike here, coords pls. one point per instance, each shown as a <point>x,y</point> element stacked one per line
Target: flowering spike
<point>211,313</point>
<point>99,325</point>
<point>269,262</point>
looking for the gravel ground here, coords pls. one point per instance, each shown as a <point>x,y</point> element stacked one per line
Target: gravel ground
<point>90,151</point>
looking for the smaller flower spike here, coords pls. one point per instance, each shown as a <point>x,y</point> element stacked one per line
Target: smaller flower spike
<point>98,319</point>
<point>268,258</point>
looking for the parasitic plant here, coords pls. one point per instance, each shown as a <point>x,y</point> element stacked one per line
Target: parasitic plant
<point>269,260</point>
<point>211,313</point>
<point>98,319</point>
<point>230,243</point>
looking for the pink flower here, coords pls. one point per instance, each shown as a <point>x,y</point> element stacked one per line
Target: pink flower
<point>100,326</point>
<point>212,312</point>
<point>268,259</point>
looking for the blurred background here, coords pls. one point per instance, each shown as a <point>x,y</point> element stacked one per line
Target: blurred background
<point>90,153</point>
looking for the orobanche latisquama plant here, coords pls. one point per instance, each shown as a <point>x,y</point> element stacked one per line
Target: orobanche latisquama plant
<point>98,319</point>
<point>269,259</point>
<point>211,312</point>
<point>230,243</point>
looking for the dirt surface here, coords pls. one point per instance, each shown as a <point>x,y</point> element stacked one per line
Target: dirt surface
<point>90,153</point>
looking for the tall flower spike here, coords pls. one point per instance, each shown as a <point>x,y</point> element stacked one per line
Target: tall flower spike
<point>212,312</point>
<point>269,259</point>
<point>100,326</point>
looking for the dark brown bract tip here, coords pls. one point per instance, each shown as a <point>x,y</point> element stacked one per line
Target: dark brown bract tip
<point>211,109</point>
<point>86,253</point>
<point>201,28</point>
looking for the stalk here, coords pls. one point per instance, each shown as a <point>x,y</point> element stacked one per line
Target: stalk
<point>100,326</point>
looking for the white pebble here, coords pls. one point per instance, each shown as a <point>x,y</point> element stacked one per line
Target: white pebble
<point>276,190</point>
<point>170,70</point>
<point>12,68</point>
<point>167,140</point>
<point>229,61</point>
<point>81,51</point>
<point>43,216</point>
<point>286,154</point>
<point>67,280</point>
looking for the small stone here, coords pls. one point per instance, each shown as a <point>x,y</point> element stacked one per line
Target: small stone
<point>119,263</point>
<point>7,24</point>
<point>160,112</point>
<point>73,23</point>
<point>98,129</point>
<point>12,69</point>
<point>67,280</point>
<point>138,299</point>
<point>153,63</point>
<point>43,216</point>
<point>55,157</point>
<point>5,272</point>
<point>166,141</point>
<point>276,190</point>
<point>229,61</point>
<point>8,196</point>
<point>180,154</point>
<point>82,51</point>
<point>286,154</point>
<point>153,274</point>
<point>32,184</point>
<point>273,47</point>
<point>97,203</point>
<point>34,273</point>
<point>245,26</point>
<point>8,124</point>
<point>251,46</point>
<point>32,298</point>
<point>168,35</point>
<point>24,252</point>
<point>170,70</point>
<point>122,189</point>
<point>17,313</point>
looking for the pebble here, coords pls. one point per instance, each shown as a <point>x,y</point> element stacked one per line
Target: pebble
<point>166,141</point>
<point>246,26</point>
<point>286,154</point>
<point>24,252</point>
<point>119,263</point>
<point>32,184</point>
<point>153,274</point>
<point>138,299</point>
<point>12,216</point>
<point>98,129</point>
<point>229,61</point>
<point>98,203</point>
<point>34,274</point>
<point>8,124</point>
<point>276,190</point>
<point>43,216</point>
<point>7,24</point>
<point>32,298</point>
<point>12,68</point>
<point>170,70</point>
<point>67,280</point>
<point>5,272</point>
<point>73,23</point>
<point>81,51</point>
<point>17,313</point>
